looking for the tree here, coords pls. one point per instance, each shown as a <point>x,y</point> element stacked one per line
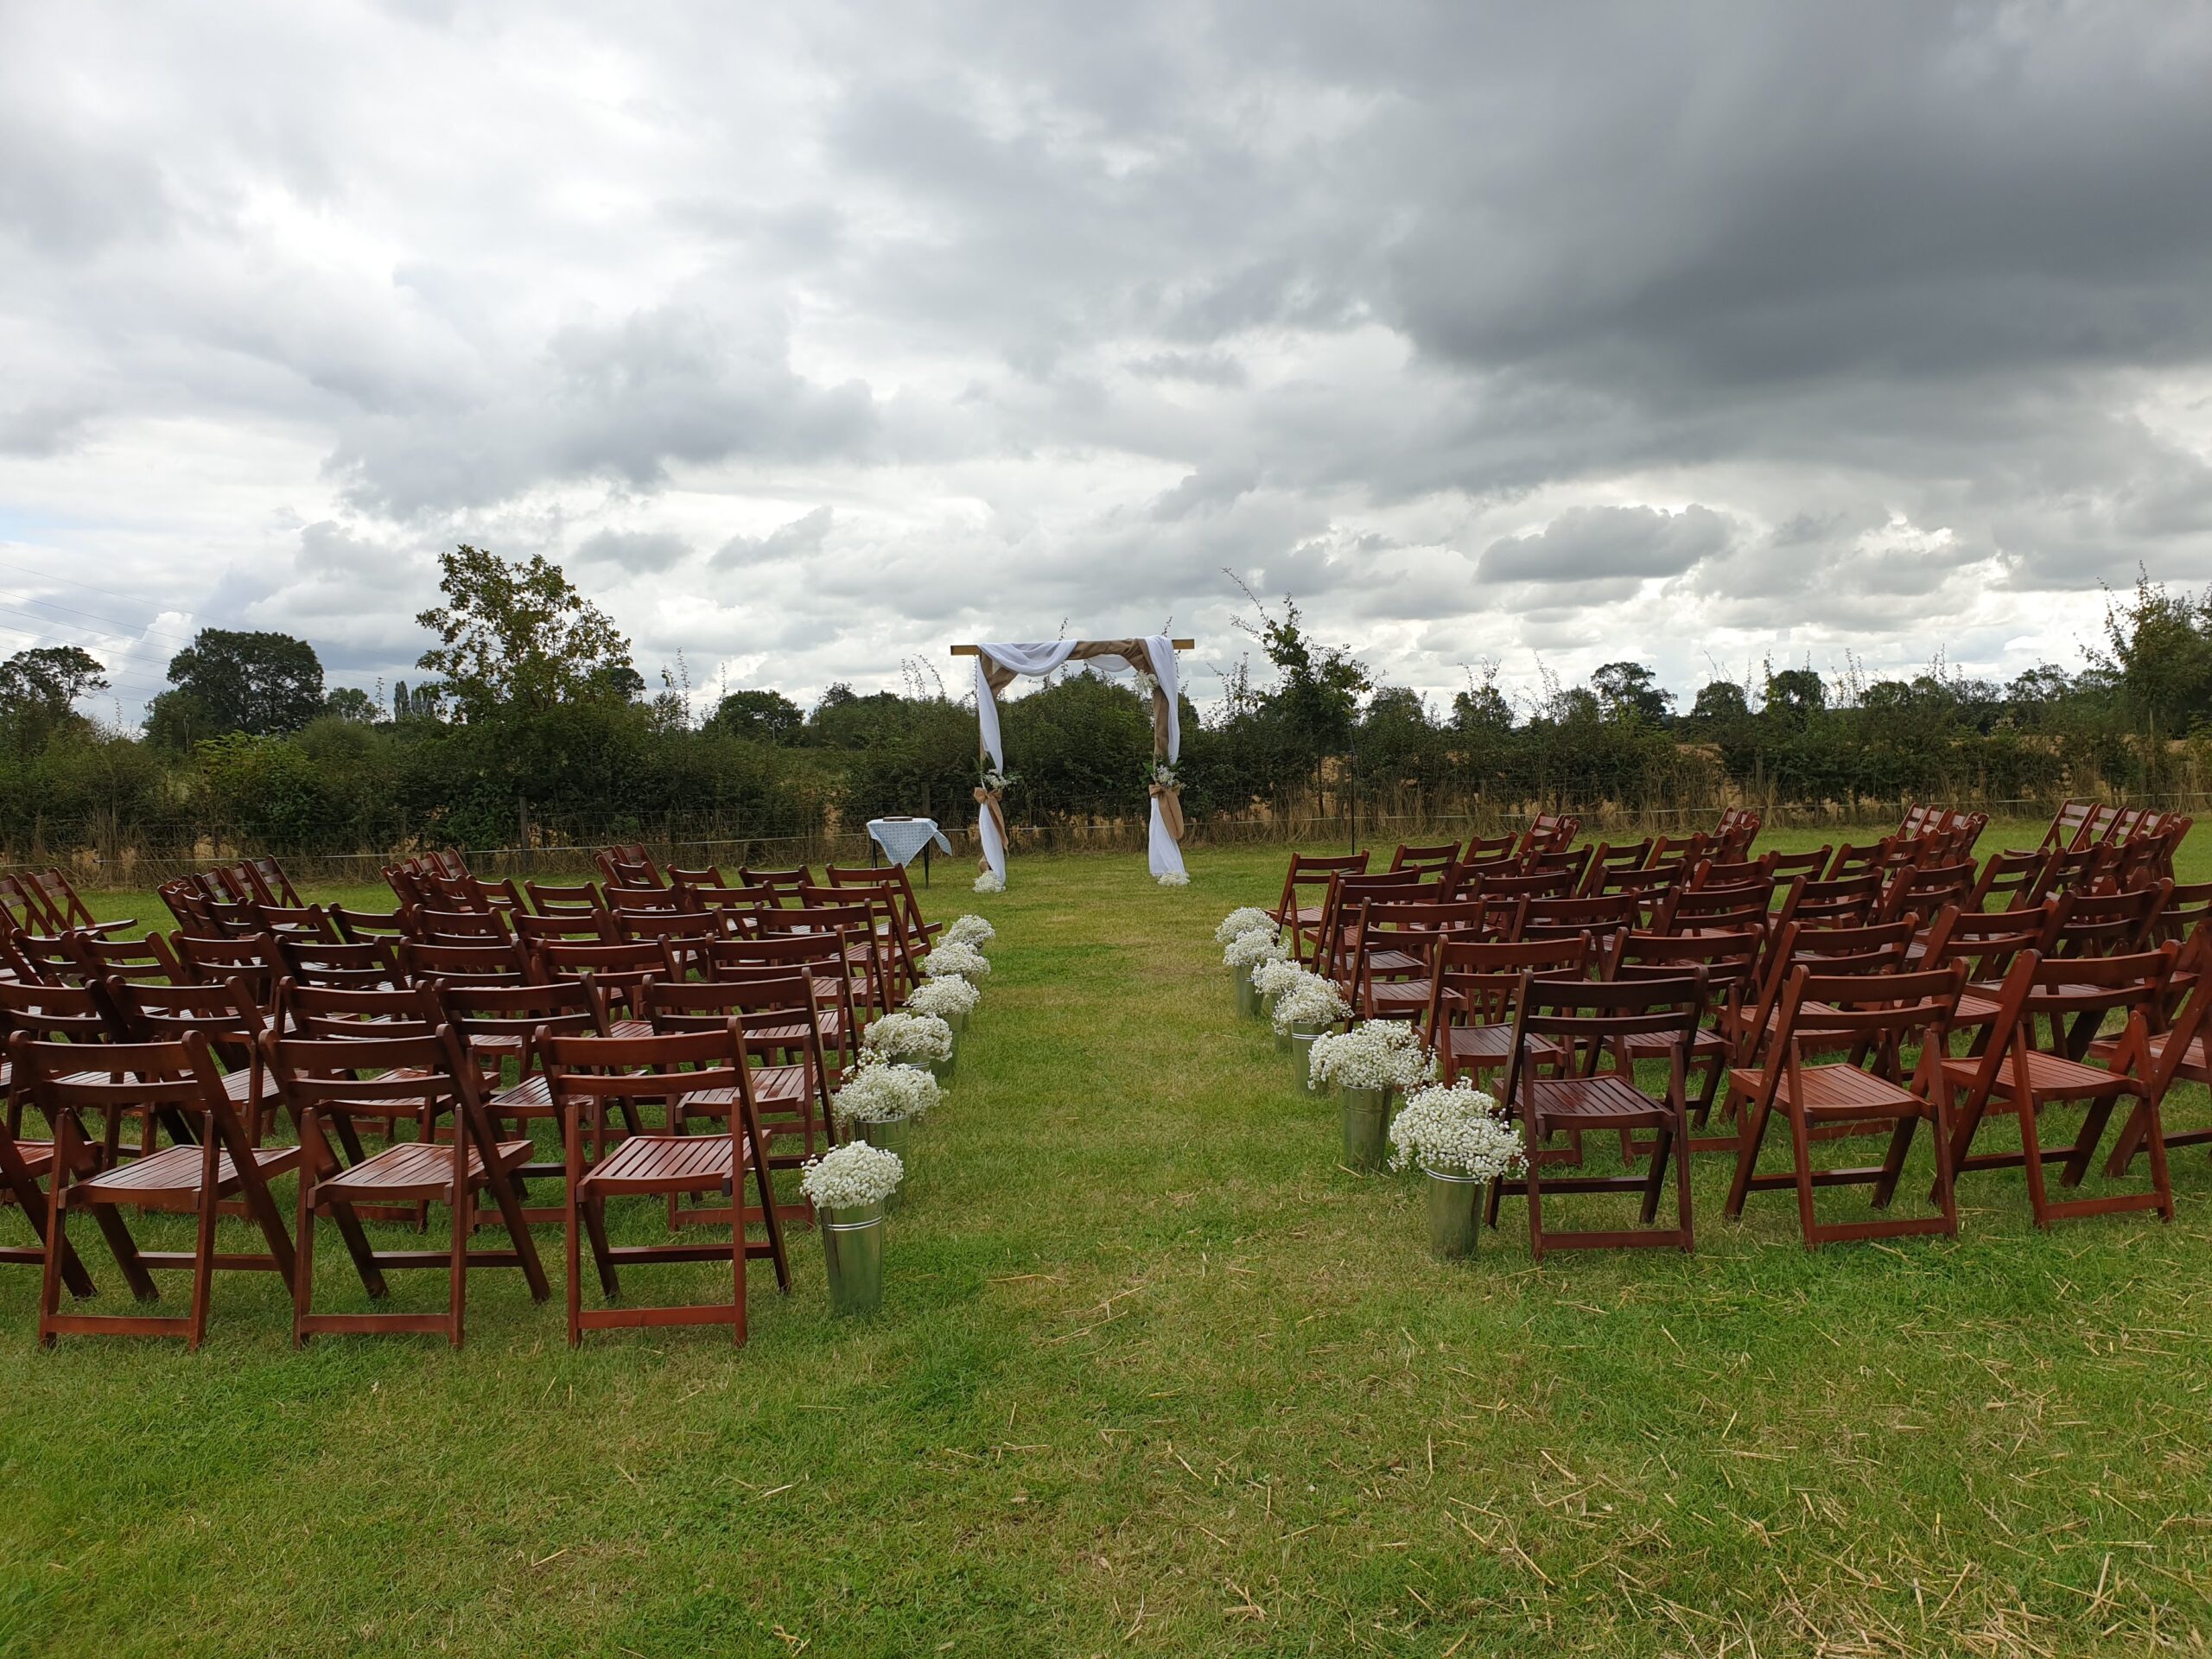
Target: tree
<point>518,638</point>
<point>758,716</point>
<point>1795,696</point>
<point>1720,703</point>
<point>1320,687</point>
<point>38,688</point>
<point>261,683</point>
<point>2161,655</point>
<point>350,702</point>
<point>1631,691</point>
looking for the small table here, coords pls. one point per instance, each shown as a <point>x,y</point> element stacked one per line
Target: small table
<point>902,838</point>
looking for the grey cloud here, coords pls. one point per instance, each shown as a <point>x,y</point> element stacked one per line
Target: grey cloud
<point>639,552</point>
<point>1583,543</point>
<point>1206,368</point>
<point>802,536</point>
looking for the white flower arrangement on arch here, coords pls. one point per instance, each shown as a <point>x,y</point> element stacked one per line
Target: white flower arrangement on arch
<point>968,930</point>
<point>851,1176</point>
<point>1246,918</point>
<point>1457,1131</point>
<point>1375,1054</point>
<point>1248,951</point>
<point>908,1039</point>
<point>1310,1000</point>
<point>945,996</point>
<point>1276,975</point>
<point>990,882</point>
<point>877,1092</point>
<point>962,960</point>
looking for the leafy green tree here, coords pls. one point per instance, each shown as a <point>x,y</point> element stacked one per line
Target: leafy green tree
<point>1631,691</point>
<point>1720,703</point>
<point>518,638</point>
<point>2161,656</point>
<point>350,702</point>
<point>40,687</point>
<point>1318,695</point>
<point>262,683</point>
<point>758,717</point>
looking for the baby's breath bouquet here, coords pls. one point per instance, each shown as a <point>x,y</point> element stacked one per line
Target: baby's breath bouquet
<point>947,996</point>
<point>969,929</point>
<point>964,961</point>
<point>1375,1054</point>
<point>908,1039</point>
<point>1457,1131</point>
<point>1276,975</point>
<point>990,882</point>
<point>1248,950</point>
<point>1245,919</point>
<point>1310,1000</point>
<point>851,1176</point>
<point>877,1092</point>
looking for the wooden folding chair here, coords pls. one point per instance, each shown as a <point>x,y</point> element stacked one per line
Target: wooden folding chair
<point>1784,867</point>
<point>1393,950</point>
<point>1430,861</point>
<point>147,961</point>
<point>585,1075</point>
<point>226,1014</point>
<point>570,900</point>
<point>821,956</point>
<point>1584,1022</point>
<point>1474,998</point>
<point>1608,858</point>
<point>618,971</point>
<point>1884,1012</point>
<point>24,1166</point>
<point>918,930</point>
<point>339,966</point>
<point>1300,920</point>
<point>1729,962</point>
<point>195,1176</point>
<point>2013,1075</point>
<point>498,1023</point>
<point>53,900</point>
<point>382,1077</point>
<point>502,961</point>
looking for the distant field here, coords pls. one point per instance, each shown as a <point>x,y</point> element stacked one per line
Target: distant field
<point>1155,1374</point>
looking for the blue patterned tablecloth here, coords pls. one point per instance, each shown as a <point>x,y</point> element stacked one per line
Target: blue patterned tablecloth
<point>903,839</point>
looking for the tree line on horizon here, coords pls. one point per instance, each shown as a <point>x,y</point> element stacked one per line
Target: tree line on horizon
<point>531,723</point>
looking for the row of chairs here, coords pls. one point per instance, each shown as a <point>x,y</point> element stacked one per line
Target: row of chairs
<point>203,1047</point>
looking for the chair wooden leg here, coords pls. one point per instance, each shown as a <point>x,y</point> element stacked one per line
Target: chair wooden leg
<point>203,1266</point>
<point>1801,1152</point>
<point>1751,1134</point>
<point>464,1224</point>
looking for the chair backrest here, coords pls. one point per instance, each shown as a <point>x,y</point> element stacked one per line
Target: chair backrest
<point>1987,941</point>
<point>704,876</point>
<point>336,965</point>
<point>1340,906</point>
<point>897,875</point>
<point>1881,1012</point>
<point>593,926</point>
<point>1413,926</point>
<point>1307,870</point>
<point>1603,916</point>
<point>663,901</point>
<point>324,1011</point>
<point>1475,981</point>
<point>1730,872</point>
<point>476,962</point>
<point>629,866</point>
<point>381,1074</point>
<point>2066,826</point>
<point>276,886</point>
<point>1738,828</point>
<point>148,959</point>
<point>673,925</point>
<point>56,899</point>
<point>1927,888</point>
<point>69,1014</point>
<point>211,961</point>
<point>183,898</point>
<point>357,927</point>
<point>1609,856</point>
<point>564,899</point>
<point>1573,861</point>
<point>1588,1021</point>
<point>1745,904</point>
<point>1441,856</point>
<point>2006,879</point>
<point>2108,924</point>
<point>1919,820</point>
<point>1847,901</point>
<point>511,1013</point>
<point>623,963</point>
<point>1535,884</point>
<point>587,1074</point>
<point>456,926</point>
<point>785,884</point>
<point>1787,867</point>
<point>2189,906</point>
<point>1730,961</point>
<point>176,1077</point>
<point>777,1013</point>
<point>225,1012</point>
<point>1548,832</point>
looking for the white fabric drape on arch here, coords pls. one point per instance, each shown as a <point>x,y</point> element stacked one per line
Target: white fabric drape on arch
<point>1033,659</point>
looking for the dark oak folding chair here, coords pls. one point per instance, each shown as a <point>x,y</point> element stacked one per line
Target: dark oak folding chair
<point>592,927</point>
<point>323,1081</point>
<point>54,901</point>
<point>874,985</point>
<point>1604,917</point>
<point>1308,873</point>
<point>439,926</point>
<point>1608,858</point>
<point>1884,1012</point>
<point>1584,1022</point>
<point>2014,1076</point>
<point>572,901</point>
<point>1477,983</point>
<point>617,970</point>
<point>341,966</point>
<point>1548,832</point>
<point>83,1019</point>
<point>1785,868</point>
<point>1429,859</point>
<point>1340,910</point>
<point>919,931</point>
<point>1394,949</point>
<point>196,1176</point>
<point>502,961</point>
<point>226,1014</point>
<point>147,960</point>
<point>587,1074</point>
<point>498,1023</point>
<point>1729,962</point>
<point>1738,828</point>
<point>821,956</point>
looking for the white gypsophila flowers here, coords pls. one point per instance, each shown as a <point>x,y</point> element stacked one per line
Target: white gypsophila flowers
<point>1176,878</point>
<point>944,997</point>
<point>851,1176</point>
<point>877,1092</point>
<point>990,882</point>
<point>1377,1054</point>
<point>965,960</point>
<point>1250,950</point>
<point>969,929</point>
<point>1457,1131</point>
<point>1245,919</point>
<point>1310,1000</point>
<point>913,1037</point>
<point>1276,975</point>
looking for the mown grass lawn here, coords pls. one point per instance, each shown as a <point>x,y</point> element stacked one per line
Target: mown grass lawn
<point>1156,1376</point>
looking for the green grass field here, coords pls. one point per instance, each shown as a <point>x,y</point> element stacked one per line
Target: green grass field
<point>1155,1374</point>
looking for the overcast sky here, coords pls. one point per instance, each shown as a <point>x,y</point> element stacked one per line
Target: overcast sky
<point>814,339</point>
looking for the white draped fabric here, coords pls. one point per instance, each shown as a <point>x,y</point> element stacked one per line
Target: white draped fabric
<point>1034,659</point>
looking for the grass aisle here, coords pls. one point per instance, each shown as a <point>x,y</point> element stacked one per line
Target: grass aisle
<point>1155,1375</point>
